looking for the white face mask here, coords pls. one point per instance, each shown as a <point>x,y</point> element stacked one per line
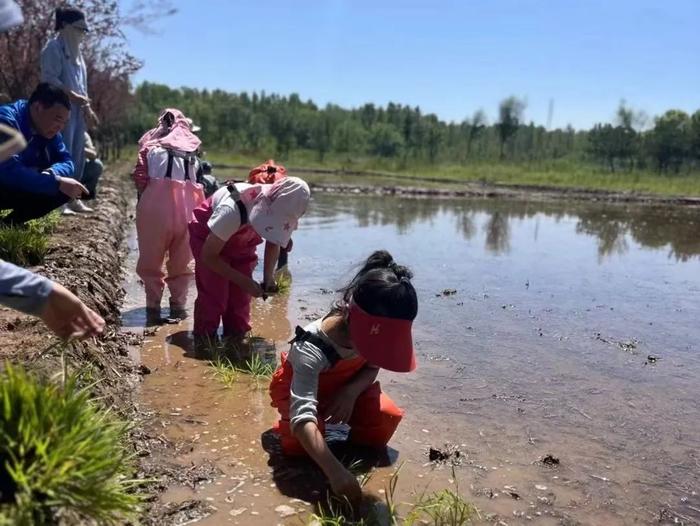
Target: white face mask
<point>73,37</point>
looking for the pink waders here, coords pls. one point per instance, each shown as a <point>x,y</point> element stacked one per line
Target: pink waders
<point>218,299</point>
<point>162,214</point>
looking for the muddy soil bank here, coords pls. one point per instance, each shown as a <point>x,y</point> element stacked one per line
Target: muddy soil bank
<point>85,256</point>
<point>518,192</point>
<point>456,188</point>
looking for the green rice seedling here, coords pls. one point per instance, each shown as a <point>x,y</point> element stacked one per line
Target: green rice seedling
<point>284,282</point>
<point>258,368</point>
<point>28,244</point>
<point>60,455</point>
<point>23,246</point>
<point>224,371</point>
<point>442,508</point>
<point>46,224</point>
<point>334,512</point>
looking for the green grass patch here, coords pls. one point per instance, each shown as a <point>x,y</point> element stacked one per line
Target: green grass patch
<point>560,173</point>
<point>228,371</point>
<point>28,245</point>
<point>61,455</point>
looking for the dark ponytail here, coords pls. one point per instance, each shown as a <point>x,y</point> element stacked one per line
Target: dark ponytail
<point>382,287</point>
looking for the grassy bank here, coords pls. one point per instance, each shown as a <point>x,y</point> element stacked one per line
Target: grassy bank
<point>555,174</point>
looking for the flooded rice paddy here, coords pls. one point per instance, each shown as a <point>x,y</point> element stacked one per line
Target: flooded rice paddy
<point>565,331</point>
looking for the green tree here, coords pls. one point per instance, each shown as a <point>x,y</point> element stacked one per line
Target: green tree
<point>670,140</point>
<point>510,114</point>
<point>385,140</point>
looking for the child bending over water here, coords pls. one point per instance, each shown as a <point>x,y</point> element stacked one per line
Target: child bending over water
<point>330,372</point>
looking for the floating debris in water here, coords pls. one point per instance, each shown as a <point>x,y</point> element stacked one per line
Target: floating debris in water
<point>285,511</point>
<point>550,460</point>
<point>447,292</point>
<point>651,360</point>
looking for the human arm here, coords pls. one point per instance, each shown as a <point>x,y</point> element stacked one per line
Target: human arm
<point>211,256</point>
<point>63,169</point>
<point>61,311</point>
<point>307,362</point>
<point>343,483</point>
<point>51,69</point>
<point>140,173</point>
<point>90,150</point>
<point>339,408</point>
<point>272,254</point>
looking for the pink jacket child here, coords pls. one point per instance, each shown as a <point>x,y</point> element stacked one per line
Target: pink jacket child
<point>165,176</point>
<point>224,233</point>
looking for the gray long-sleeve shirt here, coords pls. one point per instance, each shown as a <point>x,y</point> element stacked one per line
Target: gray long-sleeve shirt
<point>308,362</point>
<point>23,290</point>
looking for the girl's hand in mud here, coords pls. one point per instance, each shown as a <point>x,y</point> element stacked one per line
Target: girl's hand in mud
<point>344,484</point>
<point>253,288</point>
<point>339,408</point>
<point>68,317</point>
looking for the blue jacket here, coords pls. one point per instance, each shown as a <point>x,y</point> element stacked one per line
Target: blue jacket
<point>24,170</point>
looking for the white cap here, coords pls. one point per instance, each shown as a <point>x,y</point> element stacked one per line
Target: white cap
<point>275,212</point>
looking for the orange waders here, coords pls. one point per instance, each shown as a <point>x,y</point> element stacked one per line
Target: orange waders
<point>374,418</point>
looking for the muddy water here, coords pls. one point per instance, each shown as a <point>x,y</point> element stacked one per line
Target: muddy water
<point>573,332</point>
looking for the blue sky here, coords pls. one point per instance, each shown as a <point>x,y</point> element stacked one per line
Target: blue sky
<point>448,57</point>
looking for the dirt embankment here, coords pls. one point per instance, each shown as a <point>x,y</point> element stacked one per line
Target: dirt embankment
<point>455,188</point>
<point>85,256</point>
<point>520,192</point>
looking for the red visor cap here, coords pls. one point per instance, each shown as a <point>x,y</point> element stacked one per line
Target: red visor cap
<point>384,342</point>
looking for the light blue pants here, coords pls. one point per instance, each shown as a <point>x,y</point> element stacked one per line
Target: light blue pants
<point>74,137</point>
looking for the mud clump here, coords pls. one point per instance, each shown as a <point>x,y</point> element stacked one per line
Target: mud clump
<point>446,292</point>
<point>448,453</point>
<point>550,460</point>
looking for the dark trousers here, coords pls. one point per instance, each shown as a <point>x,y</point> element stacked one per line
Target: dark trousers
<point>26,205</point>
<point>91,176</point>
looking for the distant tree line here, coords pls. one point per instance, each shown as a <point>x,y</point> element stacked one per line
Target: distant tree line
<point>260,122</point>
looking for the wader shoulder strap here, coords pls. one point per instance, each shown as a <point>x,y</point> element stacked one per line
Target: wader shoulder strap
<point>187,159</point>
<point>236,196</point>
<point>169,169</point>
<point>300,335</point>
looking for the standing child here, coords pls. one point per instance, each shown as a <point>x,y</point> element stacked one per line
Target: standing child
<point>267,173</point>
<point>224,234</point>
<point>330,372</point>
<point>165,176</point>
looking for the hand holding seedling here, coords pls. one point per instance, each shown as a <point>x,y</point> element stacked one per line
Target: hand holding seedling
<point>68,317</point>
<point>344,484</point>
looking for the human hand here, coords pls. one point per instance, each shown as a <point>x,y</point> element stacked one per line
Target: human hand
<point>270,286</point>
<point>92,119</point>
<point>68,317</point>
<point>77,98</point>
<point>253,288</point>
<point>344,484</point>
<point>71,187</point>
<point>339,408</point>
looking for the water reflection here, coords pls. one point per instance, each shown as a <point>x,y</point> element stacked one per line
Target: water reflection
<point>614,225</point>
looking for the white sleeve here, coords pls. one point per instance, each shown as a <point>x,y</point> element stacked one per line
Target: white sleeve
<point>224,221</point>
<point>307,362</point>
